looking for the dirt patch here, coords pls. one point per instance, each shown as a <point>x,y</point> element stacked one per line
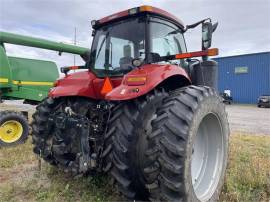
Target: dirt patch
<point>19,173</point>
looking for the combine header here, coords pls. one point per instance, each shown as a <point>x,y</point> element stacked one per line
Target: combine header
<point>27,79</point>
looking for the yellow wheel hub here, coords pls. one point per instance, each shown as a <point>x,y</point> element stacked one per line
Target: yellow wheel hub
<point>11,131</point>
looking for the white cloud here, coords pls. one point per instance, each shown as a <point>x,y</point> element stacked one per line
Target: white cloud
<point>244,25</point>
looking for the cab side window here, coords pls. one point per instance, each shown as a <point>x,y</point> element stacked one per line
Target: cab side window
<point>166,39</point>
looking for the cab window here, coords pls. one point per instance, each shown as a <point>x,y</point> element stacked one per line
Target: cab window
<point>166,39</point>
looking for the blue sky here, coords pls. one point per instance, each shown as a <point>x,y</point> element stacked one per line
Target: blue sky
<point>244,25</point>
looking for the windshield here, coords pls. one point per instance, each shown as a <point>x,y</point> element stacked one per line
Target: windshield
<point>116,45</point>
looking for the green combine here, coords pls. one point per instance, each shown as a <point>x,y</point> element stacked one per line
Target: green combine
<point>28,80</point>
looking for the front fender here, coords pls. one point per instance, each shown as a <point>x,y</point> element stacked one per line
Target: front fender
<point>155,74</point>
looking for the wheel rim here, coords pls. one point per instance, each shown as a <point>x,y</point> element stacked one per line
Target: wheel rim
<point>207,157</point>
<point>11,131</point>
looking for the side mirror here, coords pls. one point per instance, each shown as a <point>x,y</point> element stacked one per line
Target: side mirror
<point>207,30</point>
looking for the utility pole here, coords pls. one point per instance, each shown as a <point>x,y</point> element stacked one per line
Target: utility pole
<point>75,41</point>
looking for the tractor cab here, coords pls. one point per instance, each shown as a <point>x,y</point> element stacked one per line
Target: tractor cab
<point>142,35</point>
<point>137,50</point>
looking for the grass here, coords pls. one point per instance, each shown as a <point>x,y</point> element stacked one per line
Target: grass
<point>248,172</point>
<point>247,177</point>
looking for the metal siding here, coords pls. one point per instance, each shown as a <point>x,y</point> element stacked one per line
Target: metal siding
<point>246,87</point>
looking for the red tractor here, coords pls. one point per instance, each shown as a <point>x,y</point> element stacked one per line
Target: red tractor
<point>143,110</point>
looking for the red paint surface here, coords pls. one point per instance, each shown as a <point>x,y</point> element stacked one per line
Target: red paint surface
<point>154,73</point>
<point>153,10</point>
<point>86,84</point>
<point>166,14</point>
<point>113,16</point>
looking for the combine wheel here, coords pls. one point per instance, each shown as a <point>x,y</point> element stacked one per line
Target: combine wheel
<point>189,146</point>
<point>14,128</point>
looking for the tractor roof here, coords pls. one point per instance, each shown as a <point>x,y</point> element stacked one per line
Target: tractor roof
<point>136,11</point>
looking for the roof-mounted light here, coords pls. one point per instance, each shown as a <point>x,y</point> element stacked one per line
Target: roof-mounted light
<point>146,8</point>
<point>133,11</point>
<point>137,10</point>
<point>93,23</point>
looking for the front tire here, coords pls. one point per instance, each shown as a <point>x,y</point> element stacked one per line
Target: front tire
<point>189,146</point>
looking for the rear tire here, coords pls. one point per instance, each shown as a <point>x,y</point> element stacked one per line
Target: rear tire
<point>125,143</point>
<point>60,149</point>
<point>14,128</point>
<point>40,133</point>
<point>189,146</point>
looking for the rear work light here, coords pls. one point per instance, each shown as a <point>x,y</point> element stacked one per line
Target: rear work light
<point>93,23</point>
<point>133,11</point>
<point>65,70</point>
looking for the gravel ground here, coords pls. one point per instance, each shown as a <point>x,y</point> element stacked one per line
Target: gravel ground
<point>18,106</point>
<point>249,119</point>
<point>242,118</point>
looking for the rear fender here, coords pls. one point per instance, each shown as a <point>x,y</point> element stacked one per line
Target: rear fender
<point>169,76</point>
<point>83,84</point>
<point>76,84</point>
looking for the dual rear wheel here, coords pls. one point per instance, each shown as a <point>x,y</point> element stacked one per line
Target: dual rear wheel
<point>162,146</point>
<point>169,147</point>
